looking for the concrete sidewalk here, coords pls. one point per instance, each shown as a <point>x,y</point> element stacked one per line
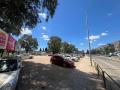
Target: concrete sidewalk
<point>85,66</point>
<point>39,74</point>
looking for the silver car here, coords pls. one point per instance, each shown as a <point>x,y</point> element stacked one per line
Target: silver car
<point>9,73</point>
<point>75,58</point>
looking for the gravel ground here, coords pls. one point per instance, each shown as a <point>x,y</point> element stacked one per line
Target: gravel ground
<point>39,74</point>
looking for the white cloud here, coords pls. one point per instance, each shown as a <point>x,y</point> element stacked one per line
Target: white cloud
<point>81,44</point>
<point>45,37</point>
<point>26,31</point>
<point>101,44</point>
<point>103,34</point>
<point>43,15</point>
<point>94,37</point>
<point>109,14</point>
<point>43,27</point>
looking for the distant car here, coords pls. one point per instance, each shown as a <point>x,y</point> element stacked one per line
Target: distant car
<point>50,54</point>
<point>9,73</point>
<point>19,56</point>
<point>118,54</point>
<point>59,60</point>
<point>30,57</point>
<point>113,54</point>
<point>67,57</point>
<point>110,54</point>
<point>75,58</point>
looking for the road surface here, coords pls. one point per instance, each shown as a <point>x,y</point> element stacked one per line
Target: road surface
<point>110,65</point>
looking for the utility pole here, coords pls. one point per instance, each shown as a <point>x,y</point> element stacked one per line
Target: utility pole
<point>88,35</point>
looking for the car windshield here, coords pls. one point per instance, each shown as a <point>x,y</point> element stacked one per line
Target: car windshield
<point>8,65</point>
<point>67,56</point>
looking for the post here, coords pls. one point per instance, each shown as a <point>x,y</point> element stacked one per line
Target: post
<point>88,33</point>
<point>98,70</point>
<point>103,75</point>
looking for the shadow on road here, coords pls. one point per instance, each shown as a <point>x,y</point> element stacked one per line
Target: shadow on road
<point>37,76</point>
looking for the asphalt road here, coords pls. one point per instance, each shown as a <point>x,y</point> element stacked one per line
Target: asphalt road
<point>110,65</point>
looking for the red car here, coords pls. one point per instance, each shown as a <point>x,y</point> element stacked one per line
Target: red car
<point>59,60</point>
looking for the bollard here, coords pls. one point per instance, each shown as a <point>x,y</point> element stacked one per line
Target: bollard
<point>103,76</point>
<point>98,70</point>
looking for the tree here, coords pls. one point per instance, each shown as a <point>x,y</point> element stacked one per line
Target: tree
<point>46,50</point>
<point>87,52</point>
<point>40,50</point>
<point>28,43</point>
<point>54,44</point>
<point>68,48</point>
<point>65,47</point>
<point>109,48</point>
<point>15,14</point>
<point>72,48</point>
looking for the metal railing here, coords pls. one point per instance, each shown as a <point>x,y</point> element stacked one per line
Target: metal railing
<point>108,81</point>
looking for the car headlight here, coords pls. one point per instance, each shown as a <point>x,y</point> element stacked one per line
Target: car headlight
<point>7,87</point>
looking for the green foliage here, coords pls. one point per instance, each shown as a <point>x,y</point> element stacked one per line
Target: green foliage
<point>54,44</point>
<point>15,14</point>
<point>46,50</point>
<point>28,43</point>
<point>87,52</point>
<point>68,48</point>
<point>40,50</point>
<point>110,48</point>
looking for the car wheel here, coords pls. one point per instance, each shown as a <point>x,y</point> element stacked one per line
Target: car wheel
<point>51,62</point>
<point>73,59</point>
<point>64,65</point>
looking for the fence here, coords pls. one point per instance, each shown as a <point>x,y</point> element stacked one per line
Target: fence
<point>109,82</point>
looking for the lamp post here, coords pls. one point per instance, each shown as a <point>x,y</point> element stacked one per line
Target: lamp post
<point>88,35</point>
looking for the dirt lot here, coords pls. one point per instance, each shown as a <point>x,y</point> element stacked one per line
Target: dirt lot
<point>39,74</point>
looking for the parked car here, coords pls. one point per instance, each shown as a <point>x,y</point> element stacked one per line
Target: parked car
<point>9,73</point>
<point>110,54</point>
<point>67,56</point>
<point>118,54</point>
<point>61,61</point>
<point>75,58</point>
<point>30,57</point>
<point>50,54</point>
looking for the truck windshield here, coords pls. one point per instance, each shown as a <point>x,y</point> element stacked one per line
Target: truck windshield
<point>8,65</point>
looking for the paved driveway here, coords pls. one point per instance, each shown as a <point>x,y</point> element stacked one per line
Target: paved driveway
<point>39,74</point>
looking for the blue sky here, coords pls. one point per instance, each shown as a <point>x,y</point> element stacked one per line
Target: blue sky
<point>69,23</point>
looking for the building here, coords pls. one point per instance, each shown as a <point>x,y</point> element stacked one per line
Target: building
<point>117,45</point>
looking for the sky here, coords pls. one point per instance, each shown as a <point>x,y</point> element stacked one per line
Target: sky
<point>69,23</point>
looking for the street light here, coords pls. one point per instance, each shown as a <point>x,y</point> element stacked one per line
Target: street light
<point>88,35</point>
